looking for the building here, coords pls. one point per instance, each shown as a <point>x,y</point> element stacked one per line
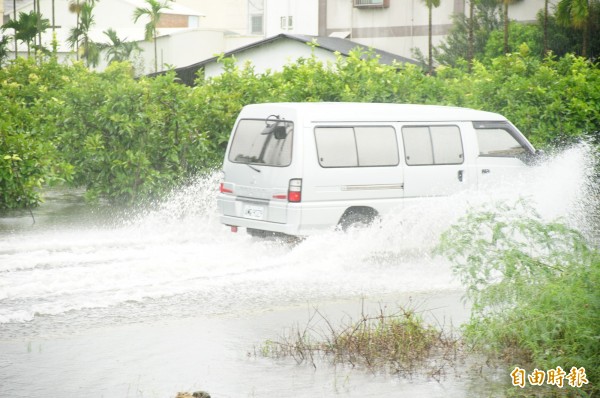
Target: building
<point>176,20</point>
<point>275,52</point>
<point>195,30</point>
<point>398,26</point>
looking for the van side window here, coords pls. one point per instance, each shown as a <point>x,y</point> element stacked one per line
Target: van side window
<point>498,142</point>
<point>427,145</point>
<point>265,142</point>
<point>359,146</point>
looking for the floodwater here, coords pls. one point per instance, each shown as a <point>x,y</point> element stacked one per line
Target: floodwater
<point>106,303</point>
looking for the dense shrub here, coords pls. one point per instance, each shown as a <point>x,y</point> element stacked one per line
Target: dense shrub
<point>534,287</point>
<point>28,154</point>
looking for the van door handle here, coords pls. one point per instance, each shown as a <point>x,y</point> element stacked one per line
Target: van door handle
<point>460,175</point>
<point>485,171</point>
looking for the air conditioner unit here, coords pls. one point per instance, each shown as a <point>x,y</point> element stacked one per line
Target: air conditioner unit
<point>372,3</point>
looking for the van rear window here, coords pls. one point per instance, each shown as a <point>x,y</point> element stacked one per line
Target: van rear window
<point>262,141</point>
<point>364,146</point>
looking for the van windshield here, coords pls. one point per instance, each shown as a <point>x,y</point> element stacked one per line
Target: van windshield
<point>261,141</point>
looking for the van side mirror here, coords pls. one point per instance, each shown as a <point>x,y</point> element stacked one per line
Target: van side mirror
<point>280,132</point>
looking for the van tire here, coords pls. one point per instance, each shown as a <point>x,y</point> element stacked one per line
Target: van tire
<point>357,217</point>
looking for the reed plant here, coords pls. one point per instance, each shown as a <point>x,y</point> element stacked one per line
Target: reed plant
<point>400,343</point>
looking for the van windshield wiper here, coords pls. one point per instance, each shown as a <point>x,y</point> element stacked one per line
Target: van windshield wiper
<point>253,168</point>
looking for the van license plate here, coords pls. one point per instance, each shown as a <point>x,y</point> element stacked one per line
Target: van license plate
<point>254,212</point>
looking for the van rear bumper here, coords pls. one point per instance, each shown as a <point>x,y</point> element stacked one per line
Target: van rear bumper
<point>287,218</point>
<point>288,229</point>
<point>301,219</point>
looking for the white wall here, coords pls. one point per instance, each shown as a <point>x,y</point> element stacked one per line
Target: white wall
<point>305,15</point>
<point>272,57</point>
<point>231,15</point>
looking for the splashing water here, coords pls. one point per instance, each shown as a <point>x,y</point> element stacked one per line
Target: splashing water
<point>177,259</point>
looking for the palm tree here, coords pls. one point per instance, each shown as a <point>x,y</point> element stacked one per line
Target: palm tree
<point>80,36</point>
<point>117,49</point>
<point>505,4</point>
<point>27,27</point>
<point>3,49</point>
<point>75,8</point>
<point>471,34</point>
<point>153,13</point>
<point>577,14</point>
<point>430,5</point>
<point>545,27</point>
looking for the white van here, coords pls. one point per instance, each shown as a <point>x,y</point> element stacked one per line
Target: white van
<point>301,168</point>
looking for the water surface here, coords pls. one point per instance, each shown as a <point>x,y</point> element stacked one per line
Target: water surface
<point>109,303</point>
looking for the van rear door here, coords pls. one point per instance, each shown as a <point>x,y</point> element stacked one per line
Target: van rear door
<point>258,169</point>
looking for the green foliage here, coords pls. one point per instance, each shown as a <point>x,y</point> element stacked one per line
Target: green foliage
<point>518,34</point>
<point>28,155</point>
<point>4,49</point>
<point>571,26</point>
<point>128,139</point>
<point>533,285</point>
<point>117,50</point>
<point>27,27</point>
<point>79,36</point>
<point>549,100</point>
<point>152,12</point>
<point>486,20</point>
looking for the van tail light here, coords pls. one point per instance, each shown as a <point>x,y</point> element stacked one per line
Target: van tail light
<point>295,190</point>
<point>222,189</point>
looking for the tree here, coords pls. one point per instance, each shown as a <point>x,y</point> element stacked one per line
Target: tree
<point>430,5</point>
<point>75,8</point>
<point>579,15</point>
<point>3,49</point>
<point>469,34</point>
<point>117,50</point>
<point>27,27</point>
<point>545,27</point>
<point>80,36</point>
<point>505,4</point>
<point>153,13</point>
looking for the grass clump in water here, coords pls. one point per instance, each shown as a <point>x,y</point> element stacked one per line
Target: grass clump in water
<point>535,292</point>
<point>401,343</point>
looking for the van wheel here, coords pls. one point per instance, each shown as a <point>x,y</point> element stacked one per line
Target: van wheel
<point>357,218</point>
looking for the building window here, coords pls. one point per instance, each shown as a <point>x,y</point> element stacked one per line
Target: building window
<point>193,21</point>
<point>287,23</point>
<point>256,24</point>
<point>256,12</point>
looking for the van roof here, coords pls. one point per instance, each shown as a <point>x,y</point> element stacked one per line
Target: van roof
<point>357,111</point>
